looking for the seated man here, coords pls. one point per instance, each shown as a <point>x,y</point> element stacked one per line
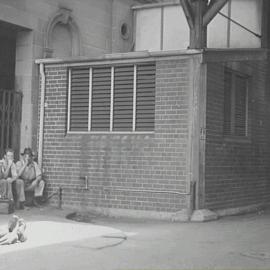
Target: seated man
<point>8,174</point>
<point>29,179</point>
<point>3,182</point>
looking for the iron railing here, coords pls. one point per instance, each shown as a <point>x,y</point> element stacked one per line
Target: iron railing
<point>10,120</point>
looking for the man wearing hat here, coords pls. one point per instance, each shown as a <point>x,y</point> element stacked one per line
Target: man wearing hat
<point>29,179</point>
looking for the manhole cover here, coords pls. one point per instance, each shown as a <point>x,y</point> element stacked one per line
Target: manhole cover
<point>81,217</point>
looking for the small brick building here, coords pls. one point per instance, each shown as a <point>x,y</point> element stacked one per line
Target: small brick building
<point>158,133</point>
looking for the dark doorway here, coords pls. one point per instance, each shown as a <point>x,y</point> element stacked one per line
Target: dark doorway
<point>10,100</point>
<point>7,55</point>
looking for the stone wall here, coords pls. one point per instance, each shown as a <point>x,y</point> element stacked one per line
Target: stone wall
<point>97,21</point>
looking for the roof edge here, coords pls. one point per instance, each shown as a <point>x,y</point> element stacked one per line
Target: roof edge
<point>119,56</point>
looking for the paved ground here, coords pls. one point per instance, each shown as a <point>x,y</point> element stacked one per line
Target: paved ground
<point>238,242</point>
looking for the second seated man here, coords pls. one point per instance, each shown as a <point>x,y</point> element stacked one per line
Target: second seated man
<point>29,179</point>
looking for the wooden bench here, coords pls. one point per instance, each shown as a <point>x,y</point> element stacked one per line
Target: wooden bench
<point>6,206</point>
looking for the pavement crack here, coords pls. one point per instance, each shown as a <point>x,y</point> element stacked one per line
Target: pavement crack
<point>96,245</point>
<point>112,245</point>
<point>256,255</point>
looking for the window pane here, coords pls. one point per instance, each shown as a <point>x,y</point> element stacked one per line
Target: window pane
<point>79,99</point>
<point>145,97</point>
<point>235,103</point>
<point>101,99</point>
<point>148,29</point>
<point>123,98</point>
<point>240,105</point>
<point>227,102</point>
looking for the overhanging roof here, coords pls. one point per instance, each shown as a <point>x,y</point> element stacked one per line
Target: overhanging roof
<point>147,1</point>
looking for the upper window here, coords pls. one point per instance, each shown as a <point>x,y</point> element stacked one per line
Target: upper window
<point>112,98</point>
<point>235,103</point>
<point>61,41</point>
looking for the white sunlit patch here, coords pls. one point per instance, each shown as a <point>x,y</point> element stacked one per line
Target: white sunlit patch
<point>44,233</point>
<point>130,234</point>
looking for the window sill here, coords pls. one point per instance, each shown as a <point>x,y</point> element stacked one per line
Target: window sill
<point>237,139</point>
<point>111,132</point>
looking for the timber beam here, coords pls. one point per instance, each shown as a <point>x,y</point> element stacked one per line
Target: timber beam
<point>199,14</point>
<point>212,11</point>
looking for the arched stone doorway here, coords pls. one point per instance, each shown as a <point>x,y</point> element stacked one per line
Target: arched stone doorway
<point>62,38</point>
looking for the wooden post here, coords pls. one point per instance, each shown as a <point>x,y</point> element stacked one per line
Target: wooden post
<point>198,129</point>
<point>198,34</point>
<point>266,24</point>
<point>199,14</point>
<point>202,96</point>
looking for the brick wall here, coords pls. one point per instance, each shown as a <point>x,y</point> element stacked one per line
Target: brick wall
<point>155,161</point>
<point>236,173</point>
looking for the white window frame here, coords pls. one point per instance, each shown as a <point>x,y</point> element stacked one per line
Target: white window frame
<point>110,131</point>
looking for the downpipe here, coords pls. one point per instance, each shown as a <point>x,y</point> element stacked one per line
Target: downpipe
<point>41,120</point>
<point>59,192</point>
<point>190,193</point>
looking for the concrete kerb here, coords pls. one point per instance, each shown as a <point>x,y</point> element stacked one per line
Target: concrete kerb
<point>179,216</point>
<point>242,210</point>
<point>184,215</point>
<point>202,215</point>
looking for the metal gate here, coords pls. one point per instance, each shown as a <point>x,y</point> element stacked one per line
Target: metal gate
<point>10,121</point>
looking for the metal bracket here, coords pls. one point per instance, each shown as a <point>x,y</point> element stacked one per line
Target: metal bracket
<point>202,133</point>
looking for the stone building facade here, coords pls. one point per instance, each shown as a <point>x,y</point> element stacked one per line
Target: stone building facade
<point>152,133</point>
<point>31,29</point>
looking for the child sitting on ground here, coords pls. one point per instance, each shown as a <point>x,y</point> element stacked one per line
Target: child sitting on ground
<point>15,233</point>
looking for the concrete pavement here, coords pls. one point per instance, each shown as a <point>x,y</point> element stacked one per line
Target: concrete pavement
<point>237,242</point>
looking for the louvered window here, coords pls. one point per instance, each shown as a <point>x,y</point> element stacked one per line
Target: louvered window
<point>235,103</point>
<point>145,106</point>
<point>101,91</point>
<point>123,98</point>
<point>112,98</point>
<point>79,99</point>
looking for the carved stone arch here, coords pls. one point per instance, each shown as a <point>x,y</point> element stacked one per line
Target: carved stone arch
<point>62,16</point>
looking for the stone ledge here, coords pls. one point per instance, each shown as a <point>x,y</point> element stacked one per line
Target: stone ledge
<point>202,215</point>
<point>181,216</point>
<point>241,210</point>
